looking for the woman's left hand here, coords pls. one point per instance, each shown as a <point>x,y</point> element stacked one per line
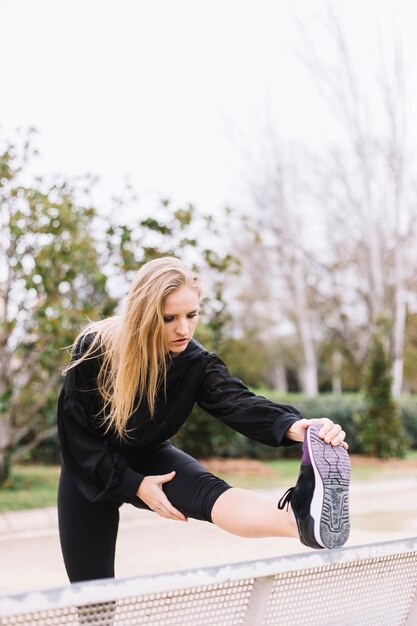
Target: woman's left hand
<point>330,432</point>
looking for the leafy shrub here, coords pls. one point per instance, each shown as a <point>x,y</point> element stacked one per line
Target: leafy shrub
<point>407,406</point>
<point>381,427</point>
<point>203,435</point>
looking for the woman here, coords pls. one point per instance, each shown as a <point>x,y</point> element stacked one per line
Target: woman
<point>131,384</point>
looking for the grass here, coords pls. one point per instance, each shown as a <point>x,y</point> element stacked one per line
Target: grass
<point>35,486</point>
<point>284,472</point>
<point>29,487</point>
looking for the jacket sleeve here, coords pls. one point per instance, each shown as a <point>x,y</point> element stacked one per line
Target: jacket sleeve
<point>100,471</point>
<point>231,401</point>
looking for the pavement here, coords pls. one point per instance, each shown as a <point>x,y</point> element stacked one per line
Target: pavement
<point>30,555</point>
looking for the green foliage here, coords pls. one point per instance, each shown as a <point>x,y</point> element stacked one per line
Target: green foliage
<point>381,429</point>
<point>28,487</point>
<point>219,440</point>
<point>204,436</point>
<point>340,408</point>
<point>247,358</point>
<point>408,412</point>
<point>61,258</point>
<point>410,354</point>
<point>348,369</point>
<point>214,307</point>
<point>48,452</point>
<point>52,283</point>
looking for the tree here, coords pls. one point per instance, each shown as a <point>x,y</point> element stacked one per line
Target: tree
<point>50,280</point>
<point>368,185</point>
<point>381,429</point>
<point>174,231</point>
<point>63,266</point>
<point>277,192</point>
<point>410,355</point>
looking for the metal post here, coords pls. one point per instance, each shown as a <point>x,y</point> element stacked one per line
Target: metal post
<point>412,613</point>
<point>258,601</point>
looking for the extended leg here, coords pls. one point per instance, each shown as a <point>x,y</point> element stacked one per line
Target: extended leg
<point>249,514</point>
<point>199,494</point>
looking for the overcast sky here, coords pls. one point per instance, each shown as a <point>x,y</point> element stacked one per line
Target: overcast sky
<point>163,91</point>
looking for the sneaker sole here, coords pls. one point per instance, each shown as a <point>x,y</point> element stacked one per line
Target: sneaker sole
<point>330,502</point>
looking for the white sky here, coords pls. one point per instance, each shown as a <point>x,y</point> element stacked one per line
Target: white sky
<point>156,90</point>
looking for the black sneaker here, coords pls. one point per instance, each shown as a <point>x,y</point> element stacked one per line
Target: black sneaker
<point>320,499</point>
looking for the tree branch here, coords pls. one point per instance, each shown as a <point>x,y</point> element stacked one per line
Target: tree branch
<point>18,454</point>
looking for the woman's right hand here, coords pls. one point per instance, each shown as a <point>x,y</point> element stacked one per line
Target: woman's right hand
<point>151,493</point>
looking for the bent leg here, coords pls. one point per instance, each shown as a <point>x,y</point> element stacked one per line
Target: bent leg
<point>249,514</point>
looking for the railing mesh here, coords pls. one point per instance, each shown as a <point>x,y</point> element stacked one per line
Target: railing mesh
<point>371,591</point>
<point>367,585</point>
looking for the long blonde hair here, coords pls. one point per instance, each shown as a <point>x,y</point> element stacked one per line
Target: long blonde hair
<point>132,344</point>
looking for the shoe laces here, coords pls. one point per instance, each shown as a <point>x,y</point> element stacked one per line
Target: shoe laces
<point>286,499</point>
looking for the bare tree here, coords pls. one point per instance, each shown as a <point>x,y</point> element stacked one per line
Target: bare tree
<point>399,169</point>
<point>367,187</point>
<point>277,195</point>
<point>254,304</point>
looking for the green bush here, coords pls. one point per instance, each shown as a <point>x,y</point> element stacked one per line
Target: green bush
<point>340,408</point>
<point>203,435</point>
<point>46,453</point>
<point>407,407</point>
<point>381,426</point>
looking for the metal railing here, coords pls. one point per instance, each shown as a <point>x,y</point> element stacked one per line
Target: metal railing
<point>372,584</point>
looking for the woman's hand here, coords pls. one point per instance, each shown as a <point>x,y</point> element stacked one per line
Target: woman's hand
<point>330,432</point>
<point>151,493</point>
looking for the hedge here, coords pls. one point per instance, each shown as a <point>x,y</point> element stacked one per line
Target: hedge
<point>203,436</point>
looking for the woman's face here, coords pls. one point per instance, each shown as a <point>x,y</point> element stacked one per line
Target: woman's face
<point>180,312</point>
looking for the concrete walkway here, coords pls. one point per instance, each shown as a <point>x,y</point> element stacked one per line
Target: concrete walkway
<point>30,554</point>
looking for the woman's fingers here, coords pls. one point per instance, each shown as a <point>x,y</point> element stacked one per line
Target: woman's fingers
<point>164,508</point>
<point>297,430</point>
<point>165,478</point>
<point>169,511</point>
<point>331,432</point>
<point>154,496</point>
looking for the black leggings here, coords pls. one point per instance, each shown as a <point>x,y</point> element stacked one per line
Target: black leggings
<point>88,530</point>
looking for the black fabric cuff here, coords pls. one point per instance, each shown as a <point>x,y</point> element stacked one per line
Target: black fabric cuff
<point>130,482</point>
<point>280,427</point>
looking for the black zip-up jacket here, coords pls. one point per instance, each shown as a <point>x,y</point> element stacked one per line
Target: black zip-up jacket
<point>104,467</point>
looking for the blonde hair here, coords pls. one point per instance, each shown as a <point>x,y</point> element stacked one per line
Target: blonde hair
<point>132,345</point>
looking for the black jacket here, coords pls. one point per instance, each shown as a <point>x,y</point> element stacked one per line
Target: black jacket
<point>103,466</point>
